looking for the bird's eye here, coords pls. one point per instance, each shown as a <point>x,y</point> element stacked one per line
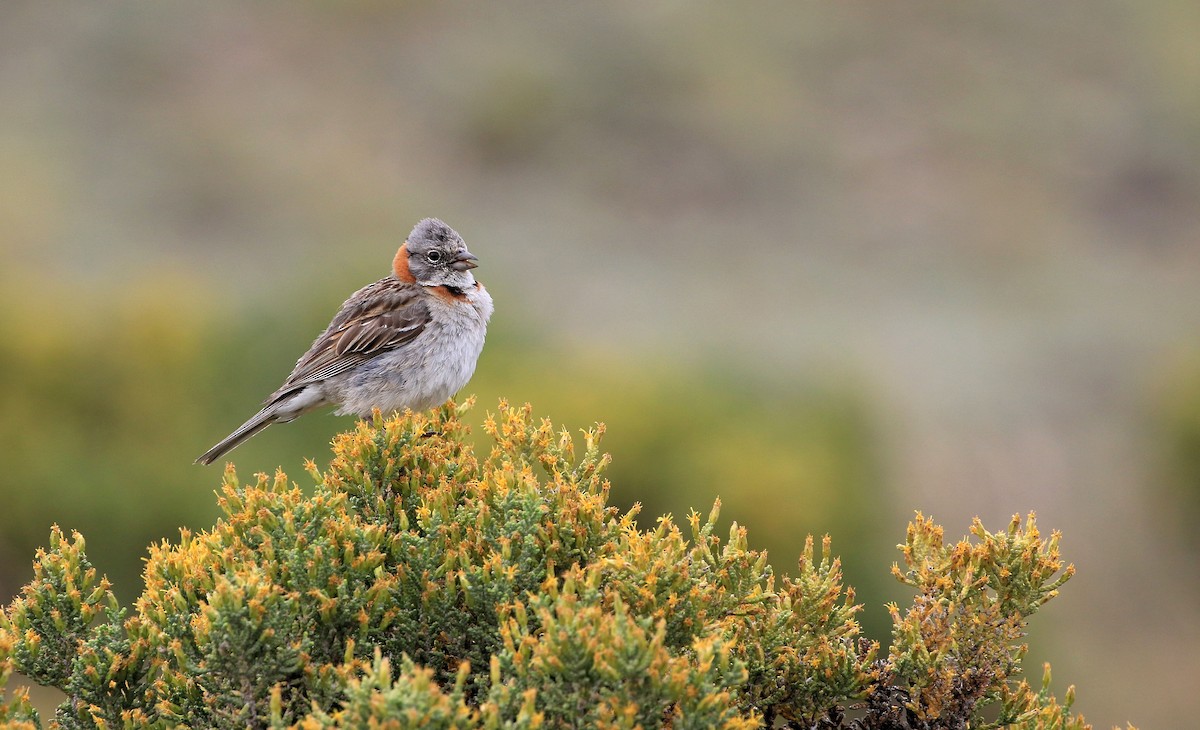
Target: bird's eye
<point>434,256</point>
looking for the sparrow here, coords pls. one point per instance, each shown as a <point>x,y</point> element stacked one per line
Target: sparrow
<point>410,340</point>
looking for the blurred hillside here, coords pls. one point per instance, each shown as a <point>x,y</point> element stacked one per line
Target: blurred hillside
<point>862,259</point>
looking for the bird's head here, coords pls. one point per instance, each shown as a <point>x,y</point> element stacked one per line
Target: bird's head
<point>435,255</point>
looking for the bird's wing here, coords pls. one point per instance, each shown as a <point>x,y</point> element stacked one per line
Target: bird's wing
<point>377,318</point>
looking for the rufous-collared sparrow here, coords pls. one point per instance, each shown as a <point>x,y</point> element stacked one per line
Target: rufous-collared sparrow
<point>409,340</point>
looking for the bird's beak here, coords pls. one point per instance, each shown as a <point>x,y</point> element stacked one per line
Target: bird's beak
<point>464,261</point>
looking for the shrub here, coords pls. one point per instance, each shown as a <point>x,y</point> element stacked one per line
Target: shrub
<point>420,585</point>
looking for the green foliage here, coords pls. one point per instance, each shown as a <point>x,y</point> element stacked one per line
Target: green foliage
<point>409,700</point>
<point>959,643</point>
<point>16,712</point>
<point>421,585</point>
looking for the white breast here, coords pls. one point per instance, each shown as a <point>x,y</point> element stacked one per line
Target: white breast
<point>428,370</point>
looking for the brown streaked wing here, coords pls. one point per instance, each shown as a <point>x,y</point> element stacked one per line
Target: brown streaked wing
<point>377,318</point>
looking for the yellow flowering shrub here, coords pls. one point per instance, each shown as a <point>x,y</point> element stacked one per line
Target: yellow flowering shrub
<point>420,584</point>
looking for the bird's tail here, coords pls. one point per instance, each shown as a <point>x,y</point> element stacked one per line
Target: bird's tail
<point>257,422</point>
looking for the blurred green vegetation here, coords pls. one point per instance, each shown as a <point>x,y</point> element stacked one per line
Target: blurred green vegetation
<point>1175,427</point>
<point>98,406</point>
<point>109,398</point>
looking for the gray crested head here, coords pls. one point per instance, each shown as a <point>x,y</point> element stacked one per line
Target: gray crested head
<point>437,256</point>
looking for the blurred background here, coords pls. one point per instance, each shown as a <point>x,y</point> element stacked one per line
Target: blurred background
<point>831,262</point>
